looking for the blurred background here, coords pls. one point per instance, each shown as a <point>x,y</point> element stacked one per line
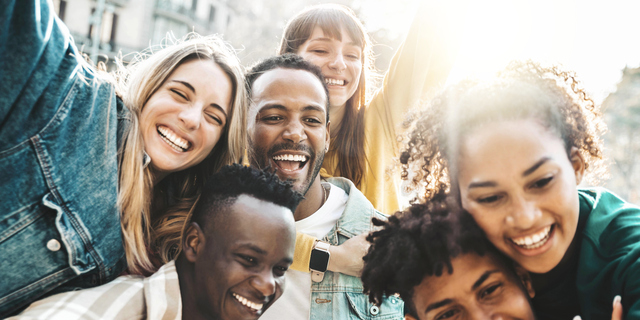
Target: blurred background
<point>597,39</point>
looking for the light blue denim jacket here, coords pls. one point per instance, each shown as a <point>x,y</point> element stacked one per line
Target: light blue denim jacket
<point>339,296</point>
<point>59,134</point>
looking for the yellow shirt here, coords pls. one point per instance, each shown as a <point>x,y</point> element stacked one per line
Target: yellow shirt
<point>419,67</point>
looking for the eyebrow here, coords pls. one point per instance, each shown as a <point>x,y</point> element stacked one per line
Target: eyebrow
<point>438,304</point>
<point>527,172</point>
<point>283,108</point>
<point>483,278</point>
<point>188,85</point>
<point>535,166</point>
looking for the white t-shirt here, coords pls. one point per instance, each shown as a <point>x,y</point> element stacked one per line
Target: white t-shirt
<point>295,302</point>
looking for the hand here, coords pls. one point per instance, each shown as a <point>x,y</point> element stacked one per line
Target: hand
<point>616,314</point>
<point>347,257</point>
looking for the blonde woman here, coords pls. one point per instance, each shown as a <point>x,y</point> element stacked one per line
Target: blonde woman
<point>89,167</point>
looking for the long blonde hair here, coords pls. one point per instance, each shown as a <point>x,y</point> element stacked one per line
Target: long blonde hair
<point>142,205</point>
<point>349,143</point>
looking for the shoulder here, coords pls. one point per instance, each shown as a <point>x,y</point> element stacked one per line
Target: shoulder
<point>93,302</point>
<point>613,225</point>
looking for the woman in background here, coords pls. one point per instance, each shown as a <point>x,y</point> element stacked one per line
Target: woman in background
<point>364,122</point>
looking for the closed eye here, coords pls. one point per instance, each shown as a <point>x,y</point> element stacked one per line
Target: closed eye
<point>448,314</point>
<point>179,94</point>
<point>489,199</point>
<point>542,183</point>
<point>490,290</point>
<point>214,118</point>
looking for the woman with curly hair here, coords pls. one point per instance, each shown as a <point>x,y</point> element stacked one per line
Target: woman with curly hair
<point>513,152</point>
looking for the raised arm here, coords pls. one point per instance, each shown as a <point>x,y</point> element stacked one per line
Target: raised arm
<point>33,46</point>
<point>422,63</point>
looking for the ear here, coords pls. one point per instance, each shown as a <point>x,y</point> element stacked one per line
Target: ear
<point>193,242</point>
<point>328,137</point>
<point>525,277</point>
<point>577,161</point>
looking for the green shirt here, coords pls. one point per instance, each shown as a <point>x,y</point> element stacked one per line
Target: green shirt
<point>609,262</point>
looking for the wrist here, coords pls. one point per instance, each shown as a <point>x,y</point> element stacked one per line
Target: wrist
<point>333,263</point>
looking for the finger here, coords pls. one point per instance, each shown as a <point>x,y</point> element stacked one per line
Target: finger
<point>617,308</point>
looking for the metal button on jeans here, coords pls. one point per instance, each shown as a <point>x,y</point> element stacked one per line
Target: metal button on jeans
<point>53,245</point>
<point>374,310</point>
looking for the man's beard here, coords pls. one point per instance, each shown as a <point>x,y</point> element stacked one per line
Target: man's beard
<point>261,159</point>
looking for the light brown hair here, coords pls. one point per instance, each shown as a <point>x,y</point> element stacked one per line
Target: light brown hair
<point>349,143</point>
<point>152,216</point>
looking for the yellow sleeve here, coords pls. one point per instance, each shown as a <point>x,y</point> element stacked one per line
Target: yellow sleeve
<point>302,255</point>
<point>421,64</point>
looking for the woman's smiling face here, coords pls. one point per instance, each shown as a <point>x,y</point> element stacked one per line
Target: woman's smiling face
<point>184,119</point>
<point>519,184</point>
<point>339,60</point>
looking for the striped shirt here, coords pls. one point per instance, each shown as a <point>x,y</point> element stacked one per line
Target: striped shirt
<point>126,297</point>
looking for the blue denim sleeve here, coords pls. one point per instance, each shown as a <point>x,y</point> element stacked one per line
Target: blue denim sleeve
<point>33,73</point>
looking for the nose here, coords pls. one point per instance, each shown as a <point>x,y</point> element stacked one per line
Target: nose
<point>190,117</point>
<point>337,63</point>
<point>524,213</point>
<point>265,283</point>
<point>294,132</point>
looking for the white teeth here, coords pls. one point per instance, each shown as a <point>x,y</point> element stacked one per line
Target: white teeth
<point>533,241</point>
<point>334,82</point>
<point>290,157</point>
<point>245,302</point>
<point>175,141</point>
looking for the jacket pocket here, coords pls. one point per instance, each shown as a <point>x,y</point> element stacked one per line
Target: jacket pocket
<point>34,257</point>
<point>391,307</point>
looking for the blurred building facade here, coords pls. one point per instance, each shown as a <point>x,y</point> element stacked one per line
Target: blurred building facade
<point>103,28</point>
<point>622,141</point>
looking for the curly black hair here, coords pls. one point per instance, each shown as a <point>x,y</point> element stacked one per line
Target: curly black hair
<point>223,188</point>
<point>418,242</point>
<point>286,61</point>
<point>550,95</point>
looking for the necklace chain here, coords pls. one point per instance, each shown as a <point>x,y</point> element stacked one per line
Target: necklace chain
<point>324,194</point>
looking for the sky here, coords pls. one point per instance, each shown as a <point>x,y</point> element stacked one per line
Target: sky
<point>597,39</point>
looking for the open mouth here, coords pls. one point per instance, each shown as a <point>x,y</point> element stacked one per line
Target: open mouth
<point>534,241</point>
<point>172,139</point>
<point>290,162</point>
<point>334,82</point>
<point>253,307</point>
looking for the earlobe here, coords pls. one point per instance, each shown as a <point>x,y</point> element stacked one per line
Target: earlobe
<point>328,139</point>
<point>578,164</point>
<point>193,242</point>
<point>525,278</point>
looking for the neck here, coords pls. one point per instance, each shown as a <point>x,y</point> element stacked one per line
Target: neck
<point>157,176</point>
<point>337,114</point>
<point>190,309</point>
<point>313,200</point>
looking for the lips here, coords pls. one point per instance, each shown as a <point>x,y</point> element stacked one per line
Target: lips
<point>534,241</point>
<point>290,162</point>
<point>172,139</point>
<point>334,82</point>
<point>252,307</point>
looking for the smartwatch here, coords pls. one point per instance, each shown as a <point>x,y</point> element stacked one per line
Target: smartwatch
<point>319,260</point>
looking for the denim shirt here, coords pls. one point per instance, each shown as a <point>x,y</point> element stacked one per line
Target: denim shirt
<point>60,127</point>
<point>339,296</point>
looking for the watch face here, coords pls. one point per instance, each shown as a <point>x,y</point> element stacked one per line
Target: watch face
<point>319,260</point>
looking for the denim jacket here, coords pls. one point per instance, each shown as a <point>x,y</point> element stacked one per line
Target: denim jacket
<point>339,296</point>
<point>60,127</point>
